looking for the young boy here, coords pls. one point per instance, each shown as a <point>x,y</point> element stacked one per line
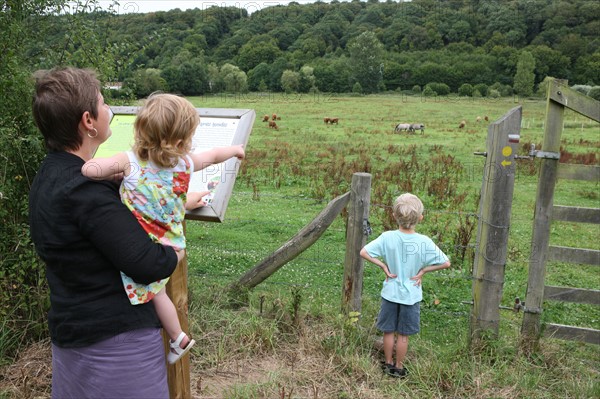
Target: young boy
<point>407,256</point>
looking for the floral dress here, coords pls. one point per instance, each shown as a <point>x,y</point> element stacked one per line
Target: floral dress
<point>156,196</point>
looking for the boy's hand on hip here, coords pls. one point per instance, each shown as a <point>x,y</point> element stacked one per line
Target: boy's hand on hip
<point>418,279</point>
<point>390,275</point>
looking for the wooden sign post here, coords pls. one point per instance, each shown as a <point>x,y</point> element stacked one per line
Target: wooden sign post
<point>178,374</point>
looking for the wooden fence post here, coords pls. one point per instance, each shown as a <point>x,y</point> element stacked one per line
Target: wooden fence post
<point>178,374</point>
<point>358,214</point>
<point>493,226</point>
<point>530,328</point>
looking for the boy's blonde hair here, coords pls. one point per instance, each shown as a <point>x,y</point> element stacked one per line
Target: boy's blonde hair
<point>163,128</point>
<point>407,210</point>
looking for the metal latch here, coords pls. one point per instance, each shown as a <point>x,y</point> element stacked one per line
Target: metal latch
<point>543,154</point>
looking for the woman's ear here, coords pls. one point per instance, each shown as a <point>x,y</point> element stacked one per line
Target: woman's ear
<point>86,121</point>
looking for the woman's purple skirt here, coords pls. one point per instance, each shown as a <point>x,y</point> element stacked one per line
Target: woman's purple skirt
<point>129,365</point>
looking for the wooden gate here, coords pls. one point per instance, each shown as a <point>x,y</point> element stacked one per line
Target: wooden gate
<point>560,96</point>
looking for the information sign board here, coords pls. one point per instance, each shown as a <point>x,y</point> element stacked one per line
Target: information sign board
<point>219,127</point>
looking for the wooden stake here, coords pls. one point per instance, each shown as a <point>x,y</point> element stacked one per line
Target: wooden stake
<point>358,214</point>
<point>178,374</point>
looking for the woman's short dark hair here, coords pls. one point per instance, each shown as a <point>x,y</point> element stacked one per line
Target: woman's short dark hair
<point>61,97</point>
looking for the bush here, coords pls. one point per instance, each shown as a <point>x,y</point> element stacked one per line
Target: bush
<point>465,90</point>
<point>482,88</point>
<point>23,288</point>
<point>429,92</point>
<point>542,90</point>
<point>357,88</point>
<point>594,93</point>
<point>583,89</point>
<point>504,90</point>
<point>416,89</point>
<point>442,89</point>
<point>494,93</point>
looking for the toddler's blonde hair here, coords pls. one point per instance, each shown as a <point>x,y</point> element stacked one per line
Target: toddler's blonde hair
<point>163,128</point>
<point>407,210</point>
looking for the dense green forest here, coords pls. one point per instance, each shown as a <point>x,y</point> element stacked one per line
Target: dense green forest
<point>451,45</point>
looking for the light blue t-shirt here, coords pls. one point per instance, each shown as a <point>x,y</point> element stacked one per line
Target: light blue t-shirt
<point>405,254</point>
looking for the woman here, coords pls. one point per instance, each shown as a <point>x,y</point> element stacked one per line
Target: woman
<point>102,347</point>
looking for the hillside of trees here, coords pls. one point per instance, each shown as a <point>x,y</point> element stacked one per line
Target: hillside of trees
<point>331,47</point>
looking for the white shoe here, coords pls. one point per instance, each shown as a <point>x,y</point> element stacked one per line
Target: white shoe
<point>176,351</point>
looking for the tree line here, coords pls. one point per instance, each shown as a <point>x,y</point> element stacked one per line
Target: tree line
<point>368,47</point>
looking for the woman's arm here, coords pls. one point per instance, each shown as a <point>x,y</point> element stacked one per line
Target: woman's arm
<point>210,157</point>
<point>116,233</point>
<point>106,168</point>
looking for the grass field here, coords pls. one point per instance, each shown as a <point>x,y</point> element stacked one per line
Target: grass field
<point>293,318</point>
<point>289,339</point>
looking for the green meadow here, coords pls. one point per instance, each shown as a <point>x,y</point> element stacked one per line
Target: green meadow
<point>289,339</point>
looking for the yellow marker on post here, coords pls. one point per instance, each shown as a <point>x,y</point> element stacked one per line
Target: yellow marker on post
<point>506,151</point>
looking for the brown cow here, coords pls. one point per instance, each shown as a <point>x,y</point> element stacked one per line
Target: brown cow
<point>265,118</point>
<point>462,124</point>
<point>326,120</point>
<point>273,124</point>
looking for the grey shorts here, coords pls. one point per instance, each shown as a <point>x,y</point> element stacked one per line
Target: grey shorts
<point>396,317</point>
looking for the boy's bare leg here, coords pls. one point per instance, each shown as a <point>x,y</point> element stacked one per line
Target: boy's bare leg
<point>401,349</point>
<point>167,314</point>
<point>388,347</point>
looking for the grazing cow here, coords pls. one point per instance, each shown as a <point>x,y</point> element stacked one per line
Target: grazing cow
<point>416,126</point>
<point>486,118</point>
<point>334,120</point>
<point>274,117</point>
<point>462,124</point>
<point>326,120</point>
<point>273,124</point>
<point>265,118</point>
<point>478,119</point>
<point>402,127</point>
